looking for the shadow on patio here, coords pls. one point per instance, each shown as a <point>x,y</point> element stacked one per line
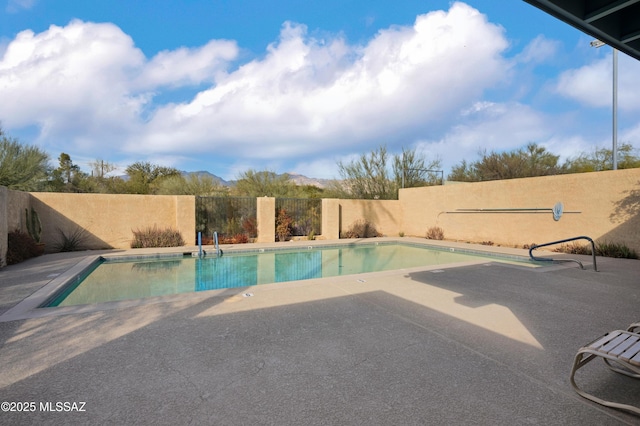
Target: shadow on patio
<point>333,351</point>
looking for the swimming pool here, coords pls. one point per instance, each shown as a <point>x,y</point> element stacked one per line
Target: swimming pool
<point>116,279</point>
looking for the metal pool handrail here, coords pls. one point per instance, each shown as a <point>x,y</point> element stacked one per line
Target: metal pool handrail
<point>548,259</point>
<point>216,245</point>
<point>201,253</point>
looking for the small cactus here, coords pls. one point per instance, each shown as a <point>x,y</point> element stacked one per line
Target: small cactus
<point>34,226</point>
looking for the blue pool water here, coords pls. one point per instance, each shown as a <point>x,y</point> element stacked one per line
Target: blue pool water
<point>122,279</point>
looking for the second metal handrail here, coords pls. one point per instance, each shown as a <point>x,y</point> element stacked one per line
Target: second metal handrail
<point>548,259</point>
<point>216,245</point>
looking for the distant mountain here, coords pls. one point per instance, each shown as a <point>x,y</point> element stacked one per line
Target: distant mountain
<point>295,178</point>
<point>211,175</point>
<point>303,180</point>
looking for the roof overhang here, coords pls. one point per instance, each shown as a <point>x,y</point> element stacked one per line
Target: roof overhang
<point>616,23</point>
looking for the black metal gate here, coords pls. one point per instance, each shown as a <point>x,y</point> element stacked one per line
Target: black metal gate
<point>305,214</point>
<point>228,216</point>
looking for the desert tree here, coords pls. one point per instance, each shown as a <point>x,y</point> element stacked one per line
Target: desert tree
<point>68,177</point>
<point>191,184</point>
<point>368,177</point>
<point>101,168</point>
<point>602,159</point>
<point>372,176</point>
<point>252,183</point>
<point>22,167</point>
<point>533,160</point>
<point>411,168</point>
<point>145,177</point>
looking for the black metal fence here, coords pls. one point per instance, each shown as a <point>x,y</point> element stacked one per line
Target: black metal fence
<point>235,216</point>
<point>228,216</point>
<point>305,214</point>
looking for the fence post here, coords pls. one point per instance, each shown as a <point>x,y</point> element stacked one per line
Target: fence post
<point>186,216</point>
<point>266,219</point>
<point>330,218</point>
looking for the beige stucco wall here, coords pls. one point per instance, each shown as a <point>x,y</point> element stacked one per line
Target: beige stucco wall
<point>330,219</point>
<point>604,206</point>
<point>607,206</point>
<point>385,215</point>
<point>266,219</point>
<point>110,219</point>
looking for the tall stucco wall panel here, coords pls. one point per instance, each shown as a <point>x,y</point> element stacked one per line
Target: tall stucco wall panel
<point>385,215</point>
<point>186,218</point>
<point>330,219</point>
<point>266,219</point>
<point>606,206</point>
<point>108,220</point>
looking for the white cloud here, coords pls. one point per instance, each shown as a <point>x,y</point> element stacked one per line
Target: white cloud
<point>501,127</point>
<point>591,84</point>
<point>303,105</point>
<point>70,80</point>
<point>186,66</point>
<point>88,84</point>
<point>14,6</point>
<point>308,95</point>
<point>539,50</point>
<point>322,168</point>
<point>629,135</point>
<point>491,126</point>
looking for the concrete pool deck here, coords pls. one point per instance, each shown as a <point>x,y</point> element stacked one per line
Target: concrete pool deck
<point>483,343</point>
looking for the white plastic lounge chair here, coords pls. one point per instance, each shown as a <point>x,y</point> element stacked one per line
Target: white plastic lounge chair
<point>620,350</point>
<point>634,328</point>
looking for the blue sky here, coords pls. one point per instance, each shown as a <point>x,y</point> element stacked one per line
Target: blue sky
<point>291,86</point>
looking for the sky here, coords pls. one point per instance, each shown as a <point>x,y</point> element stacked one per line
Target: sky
<point>297,87</point>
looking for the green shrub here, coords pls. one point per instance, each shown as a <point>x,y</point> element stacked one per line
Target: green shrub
<point>618,250</point>
<point>605,249</point>
<point>435,233</point>
<point>155,237</point>
<point>361,229</point>
<point>20,247</point>
<point>70,242</point>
